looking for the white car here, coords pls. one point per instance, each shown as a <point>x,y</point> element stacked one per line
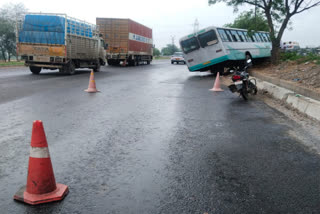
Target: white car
<point>177,57</point>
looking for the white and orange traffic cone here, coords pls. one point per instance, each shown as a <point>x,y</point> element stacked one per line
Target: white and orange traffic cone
<point>41,184</point>
<point>216,86</point>
<point>92,84</point>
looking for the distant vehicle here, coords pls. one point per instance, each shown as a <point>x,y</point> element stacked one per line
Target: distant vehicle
<point>177,57</point>
<point>214,48</point>
<point>290,46</point>
<point>127,41</point>
<point>56,41</point>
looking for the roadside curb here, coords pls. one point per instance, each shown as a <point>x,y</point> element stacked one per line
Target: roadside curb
<point>285,84</point>
<point>303,104</point>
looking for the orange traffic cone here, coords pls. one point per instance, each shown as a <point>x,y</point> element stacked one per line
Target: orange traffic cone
<point>216,86</point>
<point>41,185</point>
<point>92,84</point>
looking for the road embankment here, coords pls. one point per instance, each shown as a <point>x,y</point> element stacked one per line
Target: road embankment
<point>303,99</point>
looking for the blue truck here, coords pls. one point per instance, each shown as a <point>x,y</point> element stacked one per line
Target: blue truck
<point>56,41</point>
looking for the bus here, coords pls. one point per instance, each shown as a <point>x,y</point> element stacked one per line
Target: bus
<point>290,46</point>
<point>214,48</point>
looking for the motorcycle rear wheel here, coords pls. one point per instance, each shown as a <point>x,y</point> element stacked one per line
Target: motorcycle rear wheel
<point>253,88</point>
<point>244,94</point>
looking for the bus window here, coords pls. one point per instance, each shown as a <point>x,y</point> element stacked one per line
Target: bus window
<point>190,45</point>
<point>247,36</point>
<point>235,36</point>
<point>229,35</point>
<point>241,35</point>
<point>257,37</point>
<point>223,35</point>
<point>268,36</point>
<point>263,39</point>
<point>253,38</point>
<point>208,38</point>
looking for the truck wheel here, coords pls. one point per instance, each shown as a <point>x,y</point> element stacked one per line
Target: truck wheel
<point>97,68</point>
<point>110,62</point>
<point>131,62</point>
<point>71,68</point>
<point>148,62</point>
<point>35,70</point>
<point>61,70</point>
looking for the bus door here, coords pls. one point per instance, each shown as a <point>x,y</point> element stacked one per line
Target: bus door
<point>212,49</point>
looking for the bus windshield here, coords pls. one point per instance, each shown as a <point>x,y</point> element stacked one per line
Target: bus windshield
<point>208,38</point>
<point>190,45</point>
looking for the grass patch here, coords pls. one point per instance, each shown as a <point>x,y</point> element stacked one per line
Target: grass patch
<point>161,57</point>
<point>14,63</point>
<point>294,56</point>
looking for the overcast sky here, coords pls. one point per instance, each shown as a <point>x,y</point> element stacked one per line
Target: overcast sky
<point>171,17</point>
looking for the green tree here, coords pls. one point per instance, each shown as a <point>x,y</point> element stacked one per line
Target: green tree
<point>248,20</point>
<point>278,14</point>
<point>7,39</point>
<point>156,52</point>
<point>9,13</point>
<point>169,50</point>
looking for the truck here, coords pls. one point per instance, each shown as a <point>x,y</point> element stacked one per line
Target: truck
<point>57,41</point>
<point>126,41</point>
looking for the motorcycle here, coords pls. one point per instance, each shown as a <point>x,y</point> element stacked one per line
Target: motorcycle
<point>241,82</point>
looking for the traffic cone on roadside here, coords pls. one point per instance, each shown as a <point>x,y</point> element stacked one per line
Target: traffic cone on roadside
<point>41,185</point>
<point>92,84</point>
<point>216,86</point>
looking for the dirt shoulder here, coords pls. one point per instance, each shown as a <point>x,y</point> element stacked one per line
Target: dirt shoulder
<point>305,75</point>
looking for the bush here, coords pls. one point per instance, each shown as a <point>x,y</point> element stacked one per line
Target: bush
<point>294,56</point>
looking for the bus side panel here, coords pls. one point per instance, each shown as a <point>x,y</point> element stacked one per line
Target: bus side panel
<point>206,57</point>
<point>238,50</point>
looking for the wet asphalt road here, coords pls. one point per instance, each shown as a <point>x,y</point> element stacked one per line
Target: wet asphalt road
<point>155,140</point>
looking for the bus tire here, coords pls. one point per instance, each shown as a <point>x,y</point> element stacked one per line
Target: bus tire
<point>35,70</point>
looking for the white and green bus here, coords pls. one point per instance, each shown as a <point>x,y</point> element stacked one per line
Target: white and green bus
<point>214,48</point>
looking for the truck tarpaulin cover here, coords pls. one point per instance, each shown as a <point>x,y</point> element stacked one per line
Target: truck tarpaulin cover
<point>50,29</point>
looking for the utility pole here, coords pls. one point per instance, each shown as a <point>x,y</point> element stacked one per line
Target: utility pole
<point>196,26</point>
<point>172,42</point>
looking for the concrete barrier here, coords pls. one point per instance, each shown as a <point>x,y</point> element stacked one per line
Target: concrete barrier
<point>303,104</point>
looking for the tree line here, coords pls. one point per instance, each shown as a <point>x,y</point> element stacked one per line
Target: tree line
<point>8,16</point>
<point>166,51</point>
